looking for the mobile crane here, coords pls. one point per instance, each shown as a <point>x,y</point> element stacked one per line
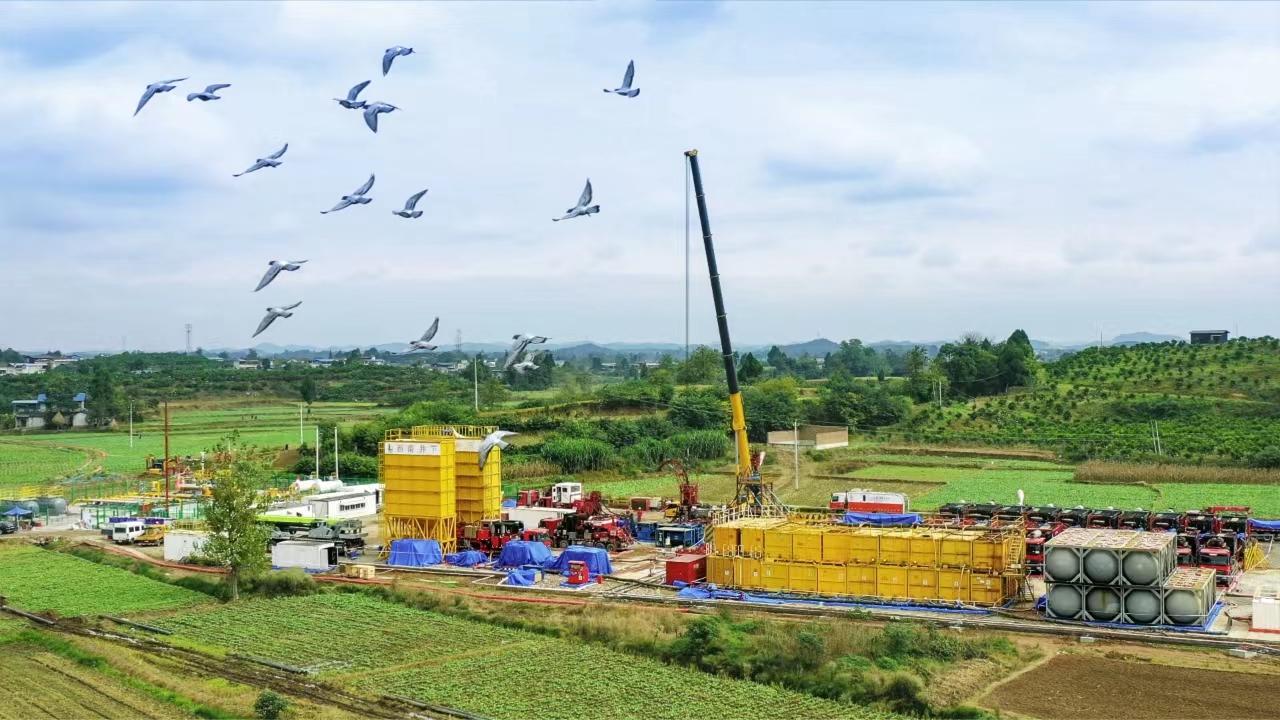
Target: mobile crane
<point>754,494</point>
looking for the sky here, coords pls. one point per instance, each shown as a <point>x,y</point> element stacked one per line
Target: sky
<point>905,171</point>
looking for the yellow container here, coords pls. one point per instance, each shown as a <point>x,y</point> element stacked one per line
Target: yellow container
<point>922,550</point>
<point>803,577</point>
<point>777,543</point>
<point>833,579</point>
<point>724,539</point>
<point>922,584</point>
<point>956,550</point>
<point>864,546</point>
<point>953,584</point>
<point>991,552</point>
<point>986,589</point>
<point>806,544</point>
<point>420,478</point>
<point>837,546</point>
<point>891,582</point>
<point>775,576</point>
<point>720,570</point>
<point>752,540</point>
<point>479,491</point>
<point>747,573</point>
<point>861,580</point>
<point>895,548</point>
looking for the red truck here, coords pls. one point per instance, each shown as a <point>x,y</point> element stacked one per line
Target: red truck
<point>489,536</point>
<point>581,529</point>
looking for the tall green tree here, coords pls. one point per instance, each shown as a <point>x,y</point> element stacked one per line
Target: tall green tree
<point>237,541</point>
<point>771,405</point>
<point>1016,361</point>
<point>703,366</point>
<point>751,369</point>
<point>103,402</point>
<point>308,390</point>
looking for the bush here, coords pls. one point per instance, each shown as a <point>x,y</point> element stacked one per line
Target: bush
<point>285,583</point>
<point>575,455</point>
<point>646,454</point>
<point>269,706</point>
<point>698,445</point>
<point>1268,457</point>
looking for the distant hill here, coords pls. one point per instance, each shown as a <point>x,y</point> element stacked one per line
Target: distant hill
<point>1138,338</point>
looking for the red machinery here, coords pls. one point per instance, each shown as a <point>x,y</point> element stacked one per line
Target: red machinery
<point>859,500</point>
<point>1188,547</point>
<point>578,573</point>
<point>490,535</point>
<point>539,534</point>
<point>581,529</point>
<point>686,508</point>
<point>687,567</point>
<point>1037,536</point>
<point>1223,554</point>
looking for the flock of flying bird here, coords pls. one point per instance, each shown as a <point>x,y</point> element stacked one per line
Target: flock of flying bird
<point>371,111</point>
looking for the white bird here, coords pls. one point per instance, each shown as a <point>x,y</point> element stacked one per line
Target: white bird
<point>272,314</point>
<point>163,86</point>
<point>492,440</point>
<point>582,207</point>
<point>208,93</point>
<point>273,269</point>
<point>410,204</point>
<point>355,198</point>
<point>424,343</point>
<point>525,364</point>
<point>350,102</point>
<point>626,90</point>
<point>391,54</point>
<point>372,111</point>
<point>521,343</point>
<point>272,160</point>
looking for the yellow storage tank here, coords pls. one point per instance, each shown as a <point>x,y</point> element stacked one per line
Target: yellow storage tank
<point>833,580</point>
<point>923,549</point>
<point>891,582</point>
<point>420,498</point>
<point>775,576</point>
<point>837,546</point>
<point>777,543</point>
<point>803,577</point>
<point>895,547</point>
<point>986,589</point>
<point>922,584</point>
<point>806,544</point>
<point>720,570</point>
<point>479,490</point>
<point>752,539</point>
<point>994,550</point>
<point>955,549</point>
<point>747,573</point>
<point>864,546</point>
<point>953,584</point>
<point>724,539</point>
<point>861,580</point>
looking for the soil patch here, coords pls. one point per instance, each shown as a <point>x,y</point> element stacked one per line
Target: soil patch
<point>1073,686</point>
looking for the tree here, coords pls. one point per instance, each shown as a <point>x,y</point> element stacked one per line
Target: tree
<point>103,403</point>
<point>703,366</point>
<point>751,369</point>
<point>847,401</point>
<point>700,409</point>
<point>307,389</point>
<point>251,355</point>
<point>1016,361</point>
<point>778,360</point>
<point>237,541</point>
<point>771,405</point>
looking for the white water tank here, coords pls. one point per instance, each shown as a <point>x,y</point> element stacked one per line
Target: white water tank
<point>1062,564</point>
<point>1103,604</point>
<point>1142,606</point>
<point>1189,596</point>
<point>1266,611</point>
<point>1064,601</point>
<point>1102,566</point>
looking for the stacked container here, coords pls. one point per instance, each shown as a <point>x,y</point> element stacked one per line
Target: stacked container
<point>420,499</point>
<point>974,566</point>
<point>479,490</point>
<point>1123,576</point>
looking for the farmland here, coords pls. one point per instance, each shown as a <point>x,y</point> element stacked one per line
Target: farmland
<point>386,648</point>
<point>38,580</point>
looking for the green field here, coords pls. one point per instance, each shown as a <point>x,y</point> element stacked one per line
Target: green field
<point>378,647</point>
<point>43,458</point>
<point>38,580</point>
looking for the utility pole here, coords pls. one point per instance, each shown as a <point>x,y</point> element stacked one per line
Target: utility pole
<point>475,379</point>
<point>317,452</point>
<point>795,442</point>
<point>300,439</point>
<point>166,459</point>
<point>335,452</point>
<point>188,338</point>
<point>130,424</point>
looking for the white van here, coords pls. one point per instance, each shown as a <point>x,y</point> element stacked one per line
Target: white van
<point>126,532</point>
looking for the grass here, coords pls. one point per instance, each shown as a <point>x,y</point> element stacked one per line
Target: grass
<point>1105,472</point>
<point>29,463</point>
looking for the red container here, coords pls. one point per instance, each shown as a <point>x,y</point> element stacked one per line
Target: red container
<point>687,568</point>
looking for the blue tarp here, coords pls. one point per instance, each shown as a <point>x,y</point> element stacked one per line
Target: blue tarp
<point>644,531</point>
<point>523,577</point>
<point>597,560</point>
<point>860,518</point>
<point>519,553</point>
<point>415,553</point>
<point>1264,525</point>
<point>16,512</point>
<point>694,593</point>
<point>508,503</point>
<point>466,558</point>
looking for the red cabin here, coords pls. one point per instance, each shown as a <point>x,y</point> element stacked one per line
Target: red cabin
<point>686,567</point>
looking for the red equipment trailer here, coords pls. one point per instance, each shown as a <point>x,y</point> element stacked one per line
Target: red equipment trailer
<point>490,535</point>
<point>686,567</point>
<point>869,501</point>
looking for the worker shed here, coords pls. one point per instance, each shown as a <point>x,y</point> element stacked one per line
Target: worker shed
<point>1209,337</point>
<point>818,437</point>
<point>308,555</point>
<point>345,505</point>
<point>597,560</point>
<point>182,544</point>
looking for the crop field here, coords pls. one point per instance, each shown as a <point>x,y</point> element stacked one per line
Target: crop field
<point>27,463</point>
<point>388,648</point>
<point>40,684</point>
<point>38,580</point>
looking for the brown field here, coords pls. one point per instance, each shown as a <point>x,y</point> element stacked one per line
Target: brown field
<point>1081,687</point>
<point>1109,472</point>
<point>39,684</point>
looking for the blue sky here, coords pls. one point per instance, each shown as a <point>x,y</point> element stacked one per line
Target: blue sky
<point>882,171</point>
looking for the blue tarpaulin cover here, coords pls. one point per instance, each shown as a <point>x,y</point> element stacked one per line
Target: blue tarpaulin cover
<point>597,560</point>
<point>508,503</point>
<point>1265,525</point>
<point>523,577</point>
<point>466,558</point>
<point>519,553</point>
<point>16,511</point>
<point>860,518</point>
<point>414,553</point>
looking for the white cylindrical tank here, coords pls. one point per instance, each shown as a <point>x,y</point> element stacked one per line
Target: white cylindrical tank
<point>1101,566</point>
<point>1064,601</point>
<point>325,486</point>
<point>1142,606</point>
<point>1143,568</point>
<point>1062,564</point>
<point>1103,604</point>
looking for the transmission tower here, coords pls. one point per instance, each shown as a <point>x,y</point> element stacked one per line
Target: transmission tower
<point>457,342</point>
<point>188,326</point>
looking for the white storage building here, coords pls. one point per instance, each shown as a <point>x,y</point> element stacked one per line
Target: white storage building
<point>182,544</point>
<point>308,555</point>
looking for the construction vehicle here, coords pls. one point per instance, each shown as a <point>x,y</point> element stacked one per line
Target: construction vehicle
<point>1166,521</point>
<point>488,536</point>
<point>1037,536</point>
<point>980,513</point>
<point>1231,518</point>
<point>869,501</point>
<point>1188,549</point>
<point>153,535</point>
<point>562,495</point>
<point>1107,518</point>
<point>1223,554</point>
<point>1135,519</point>
<point>1044,514</point>
<point>753,495</point>
<point>1077,516</point>
<point>610,533</point>
<point>1198,522</point>
<point>538,534</point>
<point>686,508</point>
<point>953,513</point>
<point>347,533</point>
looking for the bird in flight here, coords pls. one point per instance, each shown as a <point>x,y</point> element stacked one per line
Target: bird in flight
<point>372,110</point>
<point>521,343</point>
<point>582,207</point>
<point>492,440</point>
<point>272,314</point>
<point>355,198</point>
<point>208,93</point>
<point>409,205</point>
<point>525,365</point>
<point>272,160</point>
<point>626,90</point>
<point>163,86</point>
<point>424,343</point>
<point>391,54</point>
<point>350,102</point>
<point>273,269</point>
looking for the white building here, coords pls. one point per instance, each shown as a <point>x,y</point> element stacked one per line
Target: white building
<point>352,502</point>
<point>246,365</point>
<point>181,544</point>
<point>305,554</point>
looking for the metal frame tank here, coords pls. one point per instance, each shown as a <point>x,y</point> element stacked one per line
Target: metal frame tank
<point>1105,575</point>
<point>420,499</point>
<point>1189,596</point>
